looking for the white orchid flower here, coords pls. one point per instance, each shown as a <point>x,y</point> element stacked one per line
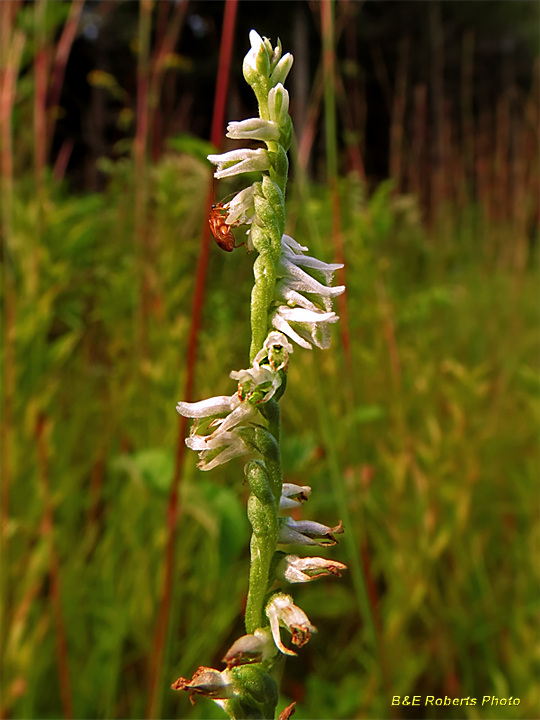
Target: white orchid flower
<point>310,327</point>
<point>276,351</point>
<point>281,611</point>
<point>301,570</point>
<point>208,682</point>
<point>251,648</point>
<point>255,385</point>
<point>227,444</point>
<point>253,129</point>
<point>258,384</point>
<point>307,532</point>
<point>304,299</point>
<point>241,208</point>
<point>235,162</point>
<point>292,496</point>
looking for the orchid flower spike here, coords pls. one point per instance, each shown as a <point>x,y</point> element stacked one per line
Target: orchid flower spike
<point>302,570</point>
<point>266,71</point>
<point>306,532</point>
<point>281,611</point>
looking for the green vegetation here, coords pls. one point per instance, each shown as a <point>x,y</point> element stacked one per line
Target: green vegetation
<point>419,429</point>
<point>432,441</point>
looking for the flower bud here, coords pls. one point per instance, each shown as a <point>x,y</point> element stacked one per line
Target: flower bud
<point>256,64</point>
<point>275,55</point>
<point>278,104</point>
<point>282,69</point>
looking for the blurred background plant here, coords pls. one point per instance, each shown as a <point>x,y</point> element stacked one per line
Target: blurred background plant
<point>424,440</point>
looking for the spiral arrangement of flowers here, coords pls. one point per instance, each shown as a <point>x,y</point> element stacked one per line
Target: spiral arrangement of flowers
<point>291,301</point>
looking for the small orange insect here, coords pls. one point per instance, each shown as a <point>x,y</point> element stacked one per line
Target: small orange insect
<point>220,230</point>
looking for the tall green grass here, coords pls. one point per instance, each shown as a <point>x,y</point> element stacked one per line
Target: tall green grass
<point>427,447</point>
<point>437,457</point>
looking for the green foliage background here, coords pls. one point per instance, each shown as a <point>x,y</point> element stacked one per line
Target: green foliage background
<point>426,445</point>
<point>433,431</point>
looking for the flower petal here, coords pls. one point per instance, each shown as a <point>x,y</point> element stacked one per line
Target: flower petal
<point>292,496</point>
<point>289,243</point>
<point>240,161</point>
<point>253,129</point>
<point>233,446</point>
<point>257,46</point>
<point>250,648</point>
<point>241,208</point>
<point>298,279</point>
<point>207,408</point>
<point>276,351</point>
<point>307,532</point>
<point>281,324</point>
<point>300,315</point>
<point>208,682</point>
<point>301,570</point>
<point>281,610</point>
<point>292,298</point>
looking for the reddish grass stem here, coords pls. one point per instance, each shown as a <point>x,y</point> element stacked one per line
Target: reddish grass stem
<point>47,527</point>
<point>12,47</point>
<point>398,114</point>
<point>40,95</point>
<point>167,36</point>
<point>141,180</point>
<point>62,54</point>
<point>365,586</point>
<point>327,29</point>
<point>220,100</point>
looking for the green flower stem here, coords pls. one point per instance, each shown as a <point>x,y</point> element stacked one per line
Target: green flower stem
<point>271,413</point>
<point>261,297</point>
<point>268,446</point>
<point>266,234</point>
<point>262,514</point>
<point>265,478</point>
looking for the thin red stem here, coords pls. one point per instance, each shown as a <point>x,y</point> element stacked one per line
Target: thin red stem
<point>167,36</point>
<point>40,95</point>
<point>12,48</point>
<point>54,569</point>
<point>62,54</point>
<point>329,65</point>
<point>154,695</point>
<point>141,189</point>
